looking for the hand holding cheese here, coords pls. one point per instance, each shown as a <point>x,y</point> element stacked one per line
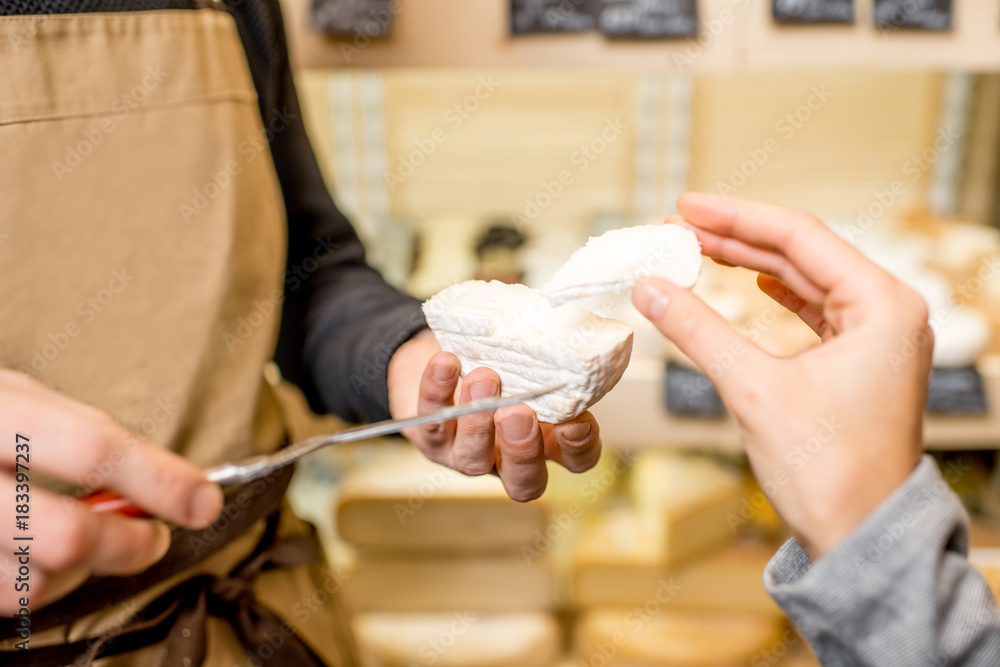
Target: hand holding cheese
<point>510,339</point>
<point>831,433</point>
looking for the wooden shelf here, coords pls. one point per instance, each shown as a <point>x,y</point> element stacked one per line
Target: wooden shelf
<point>474,33</point>
<point>632,415</point>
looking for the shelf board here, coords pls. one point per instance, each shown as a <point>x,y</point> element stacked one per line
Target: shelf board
<point>633,415</point>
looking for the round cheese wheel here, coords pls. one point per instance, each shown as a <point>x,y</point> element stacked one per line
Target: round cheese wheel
<point>458,639</point>
<point>673,638</point>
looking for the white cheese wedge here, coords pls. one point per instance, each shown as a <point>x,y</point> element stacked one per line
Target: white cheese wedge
<point>616,260</point>
<point>513,330</point>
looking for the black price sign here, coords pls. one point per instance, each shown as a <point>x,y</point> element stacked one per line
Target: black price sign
<point>534,16</point>
<point>649,19</point>
<point>956,391</point>
<point>813,11</point>
<point>690,394</point>
<point>913,14</point>
<point>370,18</point>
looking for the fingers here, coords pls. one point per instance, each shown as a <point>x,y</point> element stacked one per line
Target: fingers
<point>810,313</point>
<point>727,358</point>
<point>68,535</point>
<point>733,252</point>
<point>86,446</point>
<point>437,390</point>
<point>474,452</point>
<point>819,254</point>
<point>70,542</point>
<point>577,443</point>
<point>521,457</point>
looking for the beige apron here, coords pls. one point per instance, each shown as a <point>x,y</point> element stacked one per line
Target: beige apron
<point>142,244</point>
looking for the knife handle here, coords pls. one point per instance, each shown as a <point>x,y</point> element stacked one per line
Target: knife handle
<point>103,501</point>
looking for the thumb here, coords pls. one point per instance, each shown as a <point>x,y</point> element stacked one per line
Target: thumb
<point>728,359</point>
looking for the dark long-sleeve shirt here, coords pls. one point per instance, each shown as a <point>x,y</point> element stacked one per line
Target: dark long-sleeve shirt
<point>341,322</point>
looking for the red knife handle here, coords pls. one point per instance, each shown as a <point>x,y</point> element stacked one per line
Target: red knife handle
<point>103,501</point>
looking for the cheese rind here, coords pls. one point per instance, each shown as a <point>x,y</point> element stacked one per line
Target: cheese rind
<point>410,503</point>
<point>616,260</point>
<point>618,562</point>
<point>654,635</point>
<point>690,503</point>
<point>513,330</point>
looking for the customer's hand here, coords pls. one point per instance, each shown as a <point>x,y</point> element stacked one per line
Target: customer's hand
<point>832,432</point>
<point>509,441</point>
<point>82,445</point>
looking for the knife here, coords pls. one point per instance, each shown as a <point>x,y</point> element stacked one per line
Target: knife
<point>233,474</point>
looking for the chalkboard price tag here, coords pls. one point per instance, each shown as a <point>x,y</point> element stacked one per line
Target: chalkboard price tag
<point>540,16</point>
<point>690,394</point>
<point>956,391</point>
<point>368,18</point>
<point>649,19</point>
<point>913,14</point>
<point>813,11</point>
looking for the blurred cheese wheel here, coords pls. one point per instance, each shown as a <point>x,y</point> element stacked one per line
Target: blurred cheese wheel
<point>987,561</point>
<point>960,337</point>
<point>671,638</point>
<point>457,639</point>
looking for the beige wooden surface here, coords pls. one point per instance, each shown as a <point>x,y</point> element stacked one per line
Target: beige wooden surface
<point>830,158</point>
<point>475,33</point>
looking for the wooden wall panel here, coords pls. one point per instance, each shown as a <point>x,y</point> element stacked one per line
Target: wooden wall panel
<point>488,162</point>
<point>835,157</point>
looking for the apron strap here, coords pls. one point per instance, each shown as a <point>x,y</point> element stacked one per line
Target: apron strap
<point>244,507</point>
<point>178,617</point>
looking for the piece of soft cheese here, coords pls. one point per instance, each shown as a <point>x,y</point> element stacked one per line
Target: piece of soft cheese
<point>616,260</point>
<point>513,330</point>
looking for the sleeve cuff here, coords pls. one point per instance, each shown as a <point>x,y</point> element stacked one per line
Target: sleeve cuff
<point>920,520</point>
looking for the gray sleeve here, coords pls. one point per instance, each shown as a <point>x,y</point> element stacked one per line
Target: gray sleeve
<point>899,590</point>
